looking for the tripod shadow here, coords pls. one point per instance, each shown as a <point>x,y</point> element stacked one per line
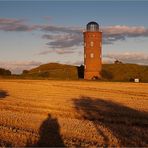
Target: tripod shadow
<point>3,94</point>
<point>128,125</point>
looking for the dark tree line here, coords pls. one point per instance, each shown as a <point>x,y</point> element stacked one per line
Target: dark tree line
<point>5,72</point>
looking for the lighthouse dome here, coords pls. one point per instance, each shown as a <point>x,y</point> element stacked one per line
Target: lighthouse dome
<point>92,26</point>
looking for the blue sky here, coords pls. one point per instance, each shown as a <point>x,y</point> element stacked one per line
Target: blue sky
<point>35,32</point>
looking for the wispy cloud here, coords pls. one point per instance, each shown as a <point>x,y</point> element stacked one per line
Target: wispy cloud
<point>129,57</point>
<point>18,66</point>
<point>60,29</point>
<point>7,24</point>
<point>57,51</point>
<point>48,18</point>
<point>64,40</point>
<point>60,39</point>
<point>119,32</point>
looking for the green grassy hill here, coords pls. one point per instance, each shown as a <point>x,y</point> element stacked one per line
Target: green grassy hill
<point>124,72</point>
<point>53,71</point>
<point>110,72</point>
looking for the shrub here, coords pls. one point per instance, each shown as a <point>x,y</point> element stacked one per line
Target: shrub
<point>5,72</point>
<point>106,74</point>
<point>25,71</point>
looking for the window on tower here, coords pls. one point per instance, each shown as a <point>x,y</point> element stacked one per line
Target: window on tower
<point>92,55</point>
<point>91,43</point>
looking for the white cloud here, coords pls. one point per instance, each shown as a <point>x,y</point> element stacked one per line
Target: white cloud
<point>17,67</point>
<point>57,51</point>
<point>8,24</point>
<point>129,57</point>
<point>121,32</point>
<point>66,40</point>
<point>61,36</point>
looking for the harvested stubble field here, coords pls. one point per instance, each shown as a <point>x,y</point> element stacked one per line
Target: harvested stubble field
<point>73,113</point>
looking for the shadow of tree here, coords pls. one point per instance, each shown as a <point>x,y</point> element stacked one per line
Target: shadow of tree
<point>129,126</point>
<point>5,144</point>
<point>49,134</point>
<point>3,94</point>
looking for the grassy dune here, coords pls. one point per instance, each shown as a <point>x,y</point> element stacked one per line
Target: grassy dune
<point>73,113</point>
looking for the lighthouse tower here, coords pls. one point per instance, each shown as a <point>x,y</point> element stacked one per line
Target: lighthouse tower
<point>92,51</point>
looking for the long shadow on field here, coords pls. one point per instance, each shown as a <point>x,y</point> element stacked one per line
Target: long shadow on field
<point>129,126</point>
<point>49,134</point>
<point>3,94</point>
<point>5,144</point>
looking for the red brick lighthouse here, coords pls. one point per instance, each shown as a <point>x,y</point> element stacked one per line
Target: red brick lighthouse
<point>92,51</point>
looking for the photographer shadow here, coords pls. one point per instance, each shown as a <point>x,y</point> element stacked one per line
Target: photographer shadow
<point>49,134</point>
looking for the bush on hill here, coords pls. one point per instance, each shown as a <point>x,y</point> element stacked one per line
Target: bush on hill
<point>106,74</point>
<point>5,72</point>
